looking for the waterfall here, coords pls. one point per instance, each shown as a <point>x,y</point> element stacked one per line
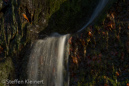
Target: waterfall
<point>48,61</point>
<point>98,9</point>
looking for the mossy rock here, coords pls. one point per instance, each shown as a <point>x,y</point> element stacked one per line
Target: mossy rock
<point>6,71</point>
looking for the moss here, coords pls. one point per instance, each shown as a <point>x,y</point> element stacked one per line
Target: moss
<point>64,16</point>
<point>6,70</point>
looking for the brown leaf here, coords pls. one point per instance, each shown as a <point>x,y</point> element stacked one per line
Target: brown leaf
<point>75,60</point>
<point>117,74</point>
<point>112,15</point>
<point>89,33</point>
<point>24,15</point>
<point>70,40</point>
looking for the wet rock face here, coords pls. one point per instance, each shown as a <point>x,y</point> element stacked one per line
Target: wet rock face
<point>21,21</point>
<point>6,71</point>
<point>61,16</point>
<point>4,4</point>
<point>38,12</point>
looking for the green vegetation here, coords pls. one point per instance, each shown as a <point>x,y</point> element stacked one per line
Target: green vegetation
<point>98,56</point>
<point>6,71</point>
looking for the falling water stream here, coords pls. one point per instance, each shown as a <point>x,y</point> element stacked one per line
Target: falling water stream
<point>48,60</point>
<point>98,9</point>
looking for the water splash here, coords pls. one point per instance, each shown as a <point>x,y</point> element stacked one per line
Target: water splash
<point>46,61</point>
<point>99,8</point>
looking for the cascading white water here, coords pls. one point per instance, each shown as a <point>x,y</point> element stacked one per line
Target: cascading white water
<point>98,9</point>
<point>46,61</point>
<point>60,62</point>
